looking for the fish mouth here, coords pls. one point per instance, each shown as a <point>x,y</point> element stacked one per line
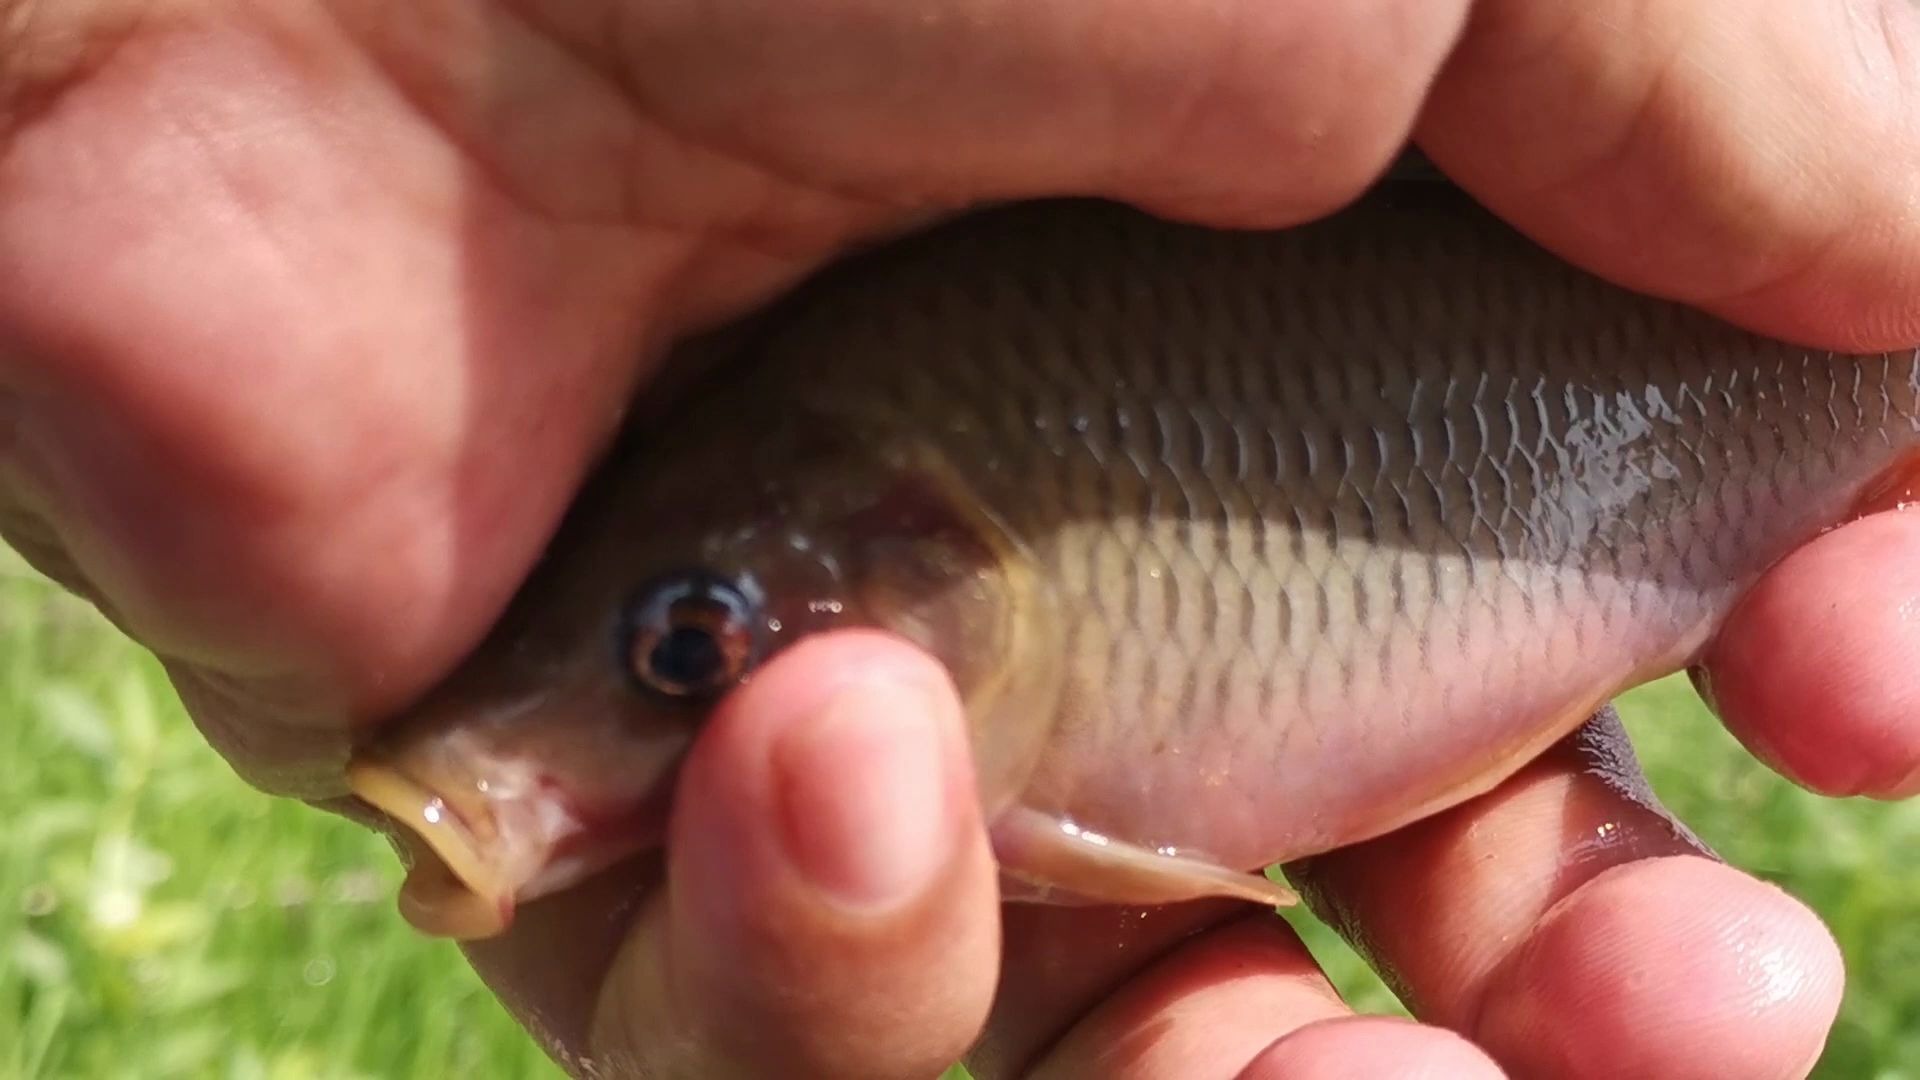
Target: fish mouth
<point>481,848</point>
<point>453,888</point>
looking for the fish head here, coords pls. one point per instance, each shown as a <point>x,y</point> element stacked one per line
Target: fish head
<point>550,753</point>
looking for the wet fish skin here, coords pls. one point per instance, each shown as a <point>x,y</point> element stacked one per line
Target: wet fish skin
<point>1241,546</point>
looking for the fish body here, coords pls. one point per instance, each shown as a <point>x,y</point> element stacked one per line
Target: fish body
<point>1240,546</point>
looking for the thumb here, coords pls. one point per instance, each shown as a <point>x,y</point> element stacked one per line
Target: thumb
<point>830,905</point>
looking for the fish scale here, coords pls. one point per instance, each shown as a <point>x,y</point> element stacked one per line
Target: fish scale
<point>1551,519</point>
<point>1239,546</point>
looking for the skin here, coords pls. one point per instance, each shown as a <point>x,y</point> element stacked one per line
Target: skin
<point>311,314</point>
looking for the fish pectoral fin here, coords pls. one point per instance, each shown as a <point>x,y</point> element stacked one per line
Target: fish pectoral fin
<point>1050,860</point>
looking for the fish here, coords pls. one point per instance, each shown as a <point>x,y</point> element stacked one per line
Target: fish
<point>1239,545</point>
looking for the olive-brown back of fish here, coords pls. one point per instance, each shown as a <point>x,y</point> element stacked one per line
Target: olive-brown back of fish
<point>1341,523</point>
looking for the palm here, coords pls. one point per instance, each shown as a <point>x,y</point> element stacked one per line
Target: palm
<point>429,285</point>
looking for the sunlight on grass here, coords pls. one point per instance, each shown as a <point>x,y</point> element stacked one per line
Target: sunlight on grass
<point>160,918</point>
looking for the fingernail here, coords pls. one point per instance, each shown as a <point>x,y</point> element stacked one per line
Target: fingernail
<point>864,795</point>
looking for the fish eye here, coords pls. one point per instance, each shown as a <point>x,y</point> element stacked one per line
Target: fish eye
<point>691,634</point>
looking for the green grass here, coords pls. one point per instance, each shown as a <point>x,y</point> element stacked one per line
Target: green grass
<point>159,918</point>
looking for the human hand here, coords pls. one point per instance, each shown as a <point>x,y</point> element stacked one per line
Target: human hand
<point>314,314</point>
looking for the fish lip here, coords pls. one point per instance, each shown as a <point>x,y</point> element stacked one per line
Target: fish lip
<point>474,863</point>
<point>447,842</point>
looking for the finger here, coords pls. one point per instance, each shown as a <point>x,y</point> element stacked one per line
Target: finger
<point>1677,967</point>
<point>1204,1009</point>
<point>831,904</point>
<point>1059,963</point>
<point>1571,929</point>
<point>1092,990</point>
<point>1371,1048</point>
<point>1229,1000</point>
<point>1243,111</point>
<point>1814,669</point>
<point>1750,159</point>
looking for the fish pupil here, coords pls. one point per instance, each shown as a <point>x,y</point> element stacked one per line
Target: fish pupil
<point>688,656</point>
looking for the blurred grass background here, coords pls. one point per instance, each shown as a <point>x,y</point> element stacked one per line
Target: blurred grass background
<point>159,918</point>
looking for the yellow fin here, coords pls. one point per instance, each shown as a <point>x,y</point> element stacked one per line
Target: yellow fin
<point>1054,861</point>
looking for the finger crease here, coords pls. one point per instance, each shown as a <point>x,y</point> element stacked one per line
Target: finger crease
<point>36,73</point>
<point>744,229</point>
<point>1122,979</point>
